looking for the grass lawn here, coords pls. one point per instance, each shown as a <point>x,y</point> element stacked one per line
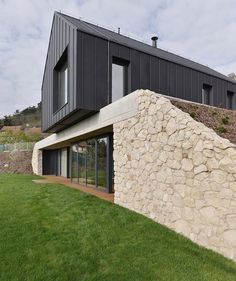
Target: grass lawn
<point>53,233</point>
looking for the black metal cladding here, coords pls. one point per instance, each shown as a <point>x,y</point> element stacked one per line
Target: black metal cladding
<point>91,50</point>
<point>63,35</point>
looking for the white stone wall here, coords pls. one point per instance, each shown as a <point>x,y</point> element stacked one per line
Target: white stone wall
<point>177,172</point>
<point>36,161</point>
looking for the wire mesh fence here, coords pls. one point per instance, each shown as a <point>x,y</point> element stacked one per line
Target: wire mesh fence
<point>21,146</point>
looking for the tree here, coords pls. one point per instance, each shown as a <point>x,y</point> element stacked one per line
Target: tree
<point>232,75</point>
<point>7,121</point>
<point>30,115</point>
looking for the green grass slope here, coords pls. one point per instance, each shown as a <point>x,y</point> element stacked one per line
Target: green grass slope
<point>54,233</point>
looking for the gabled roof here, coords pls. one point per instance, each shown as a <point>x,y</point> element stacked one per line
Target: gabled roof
<point>140,46</point>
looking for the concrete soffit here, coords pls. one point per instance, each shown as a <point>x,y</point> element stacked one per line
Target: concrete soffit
<point>119,110</point>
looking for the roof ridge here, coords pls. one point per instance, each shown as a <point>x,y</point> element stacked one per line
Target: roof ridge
<point>97,29</point>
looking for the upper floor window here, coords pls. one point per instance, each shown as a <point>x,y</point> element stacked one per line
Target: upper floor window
<point>63,84</point>
<point>207,94</point>
<point>229,102</point>
<point>119,79</point>
<point>60,83</point>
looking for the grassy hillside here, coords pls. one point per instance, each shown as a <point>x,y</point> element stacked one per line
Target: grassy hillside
<point>51,232</point>
<point>30,116</point>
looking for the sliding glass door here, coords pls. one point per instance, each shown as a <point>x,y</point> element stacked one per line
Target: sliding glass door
<point>74,163</point>
<point>81,162</point>
<point>102,162</point>
<point>92,163</point>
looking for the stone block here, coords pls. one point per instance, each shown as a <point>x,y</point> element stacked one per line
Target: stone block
<point>187,164</point>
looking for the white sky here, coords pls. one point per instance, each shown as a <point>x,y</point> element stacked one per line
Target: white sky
<point>201,30</point>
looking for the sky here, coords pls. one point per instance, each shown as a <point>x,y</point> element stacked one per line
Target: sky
<point>203,31</point>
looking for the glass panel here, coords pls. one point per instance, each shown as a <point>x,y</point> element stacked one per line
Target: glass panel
<point>66,86</point>
<point>230,99</point>
<point>82,162</point>
<point>74,163</point>
<point>205,99</point>
<point>206,94</point>
<point>63,85</point>
<point>102,162</point>
<point>61,88</point>
<point>118,83</point>
<point>90,161</point>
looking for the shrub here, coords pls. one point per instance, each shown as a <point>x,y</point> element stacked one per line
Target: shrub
<point>222,129</point>
<point>192,114</point>
<point>225,120</point>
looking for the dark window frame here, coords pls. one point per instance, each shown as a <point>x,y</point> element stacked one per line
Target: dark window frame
<point>206,88</point>
<point>60,67</point>
<point>230,100</point>
<point>126,65</point>
<point>109,162</point>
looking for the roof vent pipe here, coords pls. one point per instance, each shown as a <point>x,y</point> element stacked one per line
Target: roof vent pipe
<point>118,30</point>
<point>154,41</point>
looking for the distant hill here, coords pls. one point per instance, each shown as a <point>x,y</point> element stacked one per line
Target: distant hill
<point>28,117</point>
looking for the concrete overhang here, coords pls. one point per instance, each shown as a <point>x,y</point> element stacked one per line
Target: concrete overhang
<point>96,124</point>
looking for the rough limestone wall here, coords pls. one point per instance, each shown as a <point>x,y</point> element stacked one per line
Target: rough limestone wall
<point>36,161</point>
<point>177,172</point>
<point>16,162</point>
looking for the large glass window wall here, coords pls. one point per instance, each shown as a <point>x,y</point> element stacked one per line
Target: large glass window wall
<point>92,163</point>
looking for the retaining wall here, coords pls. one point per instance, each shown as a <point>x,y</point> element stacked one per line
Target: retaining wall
<point>177,172</point>
<point>16,162</point>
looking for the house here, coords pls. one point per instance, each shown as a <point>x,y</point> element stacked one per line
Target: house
<point>88,72</point>
<point>110,134</point>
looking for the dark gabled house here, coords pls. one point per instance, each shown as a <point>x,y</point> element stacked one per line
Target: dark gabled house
<point>88,55</point>
<point>89,67</point>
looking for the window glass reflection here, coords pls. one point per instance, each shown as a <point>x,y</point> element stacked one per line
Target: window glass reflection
<point>82,162</point>
<point>118,81</point>
<point>102,162</point>
<point>89,162</point>
<point>74,163</point>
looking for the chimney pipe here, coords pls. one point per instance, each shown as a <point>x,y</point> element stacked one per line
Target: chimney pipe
<point>154,41</point>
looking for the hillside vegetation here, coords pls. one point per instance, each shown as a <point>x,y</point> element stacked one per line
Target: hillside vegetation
<point>29,117</point>
<point>221,120</point>
<point>20,136</point>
